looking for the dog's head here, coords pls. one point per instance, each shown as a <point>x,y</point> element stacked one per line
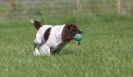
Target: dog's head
<point>69,31</point>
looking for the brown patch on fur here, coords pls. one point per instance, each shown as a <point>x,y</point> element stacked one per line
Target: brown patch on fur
<point>46,34</point>
<point>65,34</point>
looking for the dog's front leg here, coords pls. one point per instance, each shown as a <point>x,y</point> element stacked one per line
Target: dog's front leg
<point>36,51</point>
<point>44,50</point>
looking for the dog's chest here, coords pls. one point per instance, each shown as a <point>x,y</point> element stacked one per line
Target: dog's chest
<point>55,41</point>
<point>56,45</point>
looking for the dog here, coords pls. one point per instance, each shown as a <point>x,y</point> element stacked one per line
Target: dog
<point>51,39</point>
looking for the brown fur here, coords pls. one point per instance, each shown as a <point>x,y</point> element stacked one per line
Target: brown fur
<point>69,32</point>
<point>47,33</point>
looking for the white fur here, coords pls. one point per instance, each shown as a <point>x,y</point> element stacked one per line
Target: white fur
<point>54,40</point>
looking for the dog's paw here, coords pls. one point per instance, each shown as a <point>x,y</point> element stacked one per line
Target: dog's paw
<point>36,52</point>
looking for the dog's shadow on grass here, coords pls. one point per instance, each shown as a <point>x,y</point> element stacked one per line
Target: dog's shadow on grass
<point>67,52</point>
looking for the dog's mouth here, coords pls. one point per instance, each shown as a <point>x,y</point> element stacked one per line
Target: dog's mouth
<point>77,32</point>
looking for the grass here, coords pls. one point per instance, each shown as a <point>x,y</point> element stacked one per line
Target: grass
<point>106,49</point>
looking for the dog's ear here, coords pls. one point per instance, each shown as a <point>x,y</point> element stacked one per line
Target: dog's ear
<point>66,33</point>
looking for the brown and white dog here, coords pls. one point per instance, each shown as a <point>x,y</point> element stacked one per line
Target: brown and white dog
<point>51,39</point>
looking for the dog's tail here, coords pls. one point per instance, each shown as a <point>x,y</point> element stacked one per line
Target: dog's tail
<point>36,24</point>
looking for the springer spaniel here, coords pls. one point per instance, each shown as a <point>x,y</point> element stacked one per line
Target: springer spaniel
<point>51,39</point>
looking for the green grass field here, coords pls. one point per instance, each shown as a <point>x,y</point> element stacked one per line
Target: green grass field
<point>105,51</point>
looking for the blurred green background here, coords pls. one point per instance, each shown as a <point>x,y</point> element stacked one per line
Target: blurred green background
<point>45,8</point>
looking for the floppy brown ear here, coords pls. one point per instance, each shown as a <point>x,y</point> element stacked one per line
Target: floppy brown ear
<point>66,36</point>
